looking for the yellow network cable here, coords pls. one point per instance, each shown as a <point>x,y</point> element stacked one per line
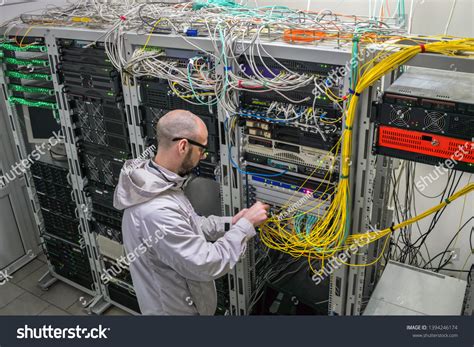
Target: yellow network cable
<point>329,234</point>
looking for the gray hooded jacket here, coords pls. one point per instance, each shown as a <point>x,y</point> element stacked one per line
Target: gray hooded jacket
<point>176,253</point>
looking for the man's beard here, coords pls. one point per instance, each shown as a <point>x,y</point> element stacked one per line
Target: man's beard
<point>187,166</point>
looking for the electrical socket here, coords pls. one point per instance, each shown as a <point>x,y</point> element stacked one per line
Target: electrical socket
<point>456,252</point>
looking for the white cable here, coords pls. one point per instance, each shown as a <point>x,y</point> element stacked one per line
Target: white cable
<point>410,16</point>
<point>450,17</point>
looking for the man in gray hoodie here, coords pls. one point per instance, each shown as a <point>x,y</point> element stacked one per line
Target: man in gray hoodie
<point>175,255</point>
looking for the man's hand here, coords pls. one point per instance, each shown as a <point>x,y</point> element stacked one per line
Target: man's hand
<point>256,214</point>
<point>239,215</point>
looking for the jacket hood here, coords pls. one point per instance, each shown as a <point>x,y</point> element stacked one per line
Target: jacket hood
<point>142,180</point>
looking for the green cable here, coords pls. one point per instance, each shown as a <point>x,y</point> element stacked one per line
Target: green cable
<point>10,47</point>
<point>26,62</point>
<point>28,76</point>
<point>32,103</point>
<point>197,5</point>
<point>30,89</point>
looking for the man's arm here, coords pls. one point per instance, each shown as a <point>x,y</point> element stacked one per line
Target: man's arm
<point>190,254</point>
<point>215,227</point>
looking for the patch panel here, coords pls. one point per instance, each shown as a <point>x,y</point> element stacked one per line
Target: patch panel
<point>269,67</point>
<point>286,182</point>
<point>291,153</point>
<point>291,167</point>
<point>324,136</point>
<point>278,198</point>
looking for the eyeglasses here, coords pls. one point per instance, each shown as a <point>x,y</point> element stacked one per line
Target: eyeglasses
<point>203,148</point>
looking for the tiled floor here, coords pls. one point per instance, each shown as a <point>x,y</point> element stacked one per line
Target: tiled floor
<point>22,296</point>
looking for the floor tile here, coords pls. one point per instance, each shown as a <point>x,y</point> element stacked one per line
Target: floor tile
<point>30,283</point>
<point>53,311</point>
<point>42,258</point>
<point>25,304</point>
<point>62,295</point>
<point>8,292</point>
<point>26,270</point>
<point>115,311</point>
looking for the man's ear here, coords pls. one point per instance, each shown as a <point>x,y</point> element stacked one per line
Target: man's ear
<point>182,146</point>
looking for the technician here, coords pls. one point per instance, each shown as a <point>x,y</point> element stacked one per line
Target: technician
<point>176,254</point>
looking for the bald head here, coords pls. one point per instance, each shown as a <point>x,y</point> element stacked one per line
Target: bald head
<point>179,124</point>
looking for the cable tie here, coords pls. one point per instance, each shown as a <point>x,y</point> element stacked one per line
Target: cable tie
<point>423,50</point>
<point>447,201</point>
<point>227,68</point>
<point>391,228</point>
<point>123,18</point>
<point>353,92</point>
<point>347,128</point>
<point>344,97</point>
<point>343,177</point>
<point>239,84</point>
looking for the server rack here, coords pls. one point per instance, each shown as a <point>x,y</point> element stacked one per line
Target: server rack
<point>347,286</point>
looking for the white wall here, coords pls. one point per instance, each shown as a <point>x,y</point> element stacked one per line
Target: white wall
<point>12,8</point>
<point>456,214</point>
<point>429,16</point>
